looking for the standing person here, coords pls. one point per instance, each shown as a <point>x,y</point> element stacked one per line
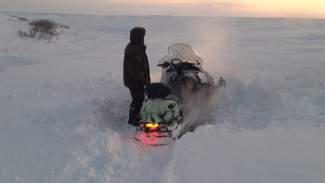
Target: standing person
<point>136,74</point>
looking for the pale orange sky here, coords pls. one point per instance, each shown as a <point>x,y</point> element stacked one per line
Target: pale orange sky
<point>256,8</point>
<point>260,7</point>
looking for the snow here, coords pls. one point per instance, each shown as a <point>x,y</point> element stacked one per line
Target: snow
<point>63,110</point>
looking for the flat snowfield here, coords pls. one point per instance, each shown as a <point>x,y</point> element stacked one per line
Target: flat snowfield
<point>64,108</point>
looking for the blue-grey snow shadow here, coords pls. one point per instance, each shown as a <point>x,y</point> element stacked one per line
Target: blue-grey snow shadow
<point>111,113</point>
<point>7,62</point>
<point>258,103</point>
<point>249,105</point>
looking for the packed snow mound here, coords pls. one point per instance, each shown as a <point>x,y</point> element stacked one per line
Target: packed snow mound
<point>63,110</point>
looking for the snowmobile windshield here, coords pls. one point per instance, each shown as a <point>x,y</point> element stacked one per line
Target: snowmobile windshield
<point>183,53</point>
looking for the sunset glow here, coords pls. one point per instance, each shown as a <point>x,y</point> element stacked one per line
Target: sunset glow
<point>291,8</point>
<point>288,7</point>
<point>232,8</point>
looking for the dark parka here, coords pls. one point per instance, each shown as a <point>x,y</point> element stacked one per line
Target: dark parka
<point>135,66</point>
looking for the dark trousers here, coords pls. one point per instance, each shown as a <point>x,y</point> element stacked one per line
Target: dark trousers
<point>137,94</point>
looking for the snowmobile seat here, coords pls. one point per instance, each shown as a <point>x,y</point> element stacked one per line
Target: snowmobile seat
<point>157,90</point>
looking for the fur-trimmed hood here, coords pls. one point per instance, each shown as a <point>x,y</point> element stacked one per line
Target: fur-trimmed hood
<point>137,36</point>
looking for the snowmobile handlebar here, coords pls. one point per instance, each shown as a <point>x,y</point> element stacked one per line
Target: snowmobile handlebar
<point>165,64</point>
<point>172,64</point>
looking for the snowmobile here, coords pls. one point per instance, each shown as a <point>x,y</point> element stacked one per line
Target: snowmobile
<point>184,83</point>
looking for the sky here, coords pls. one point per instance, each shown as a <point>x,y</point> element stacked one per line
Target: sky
<point>232,8</point>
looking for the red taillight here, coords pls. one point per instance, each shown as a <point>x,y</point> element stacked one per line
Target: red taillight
<point>152,126</point>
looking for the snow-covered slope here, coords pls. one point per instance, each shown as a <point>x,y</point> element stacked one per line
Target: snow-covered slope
<point>63,106</point>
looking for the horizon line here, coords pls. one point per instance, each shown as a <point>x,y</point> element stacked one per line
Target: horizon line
<point>161,15</point>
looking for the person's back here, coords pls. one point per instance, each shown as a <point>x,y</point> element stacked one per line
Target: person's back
<point>135,66</point>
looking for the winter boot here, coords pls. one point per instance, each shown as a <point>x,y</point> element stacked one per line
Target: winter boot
<point>134,117</point>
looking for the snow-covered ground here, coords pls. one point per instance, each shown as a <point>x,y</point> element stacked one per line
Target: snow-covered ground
<point>63,106</point>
